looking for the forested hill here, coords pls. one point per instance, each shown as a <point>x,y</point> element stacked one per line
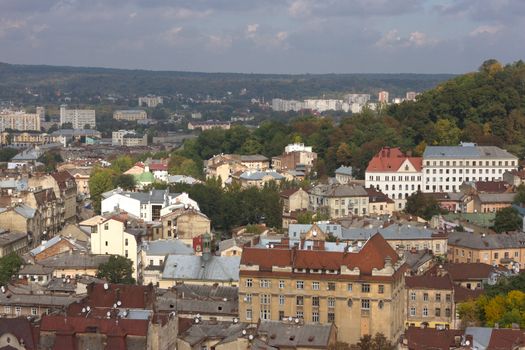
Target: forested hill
<point>86,82</point>
<point>486,107</point>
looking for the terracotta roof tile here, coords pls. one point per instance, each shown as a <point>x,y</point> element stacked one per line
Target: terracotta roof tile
<point>59,323</point>
<point>506,339</point>
<point>429,282</point>
<point>390,160</point>
<point>431,338</point>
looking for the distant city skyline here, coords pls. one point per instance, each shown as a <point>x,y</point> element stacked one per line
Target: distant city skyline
<point>264,36</point>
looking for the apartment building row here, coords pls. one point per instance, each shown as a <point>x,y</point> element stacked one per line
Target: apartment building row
<point>440,169</point>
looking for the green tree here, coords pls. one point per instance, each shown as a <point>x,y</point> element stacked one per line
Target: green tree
<point>9,266</point>
<point>507,219</point>
<point>422,205</point>
<point>377,342</point>
<point>447,132</point>
<point>124,181</point>
<point>100,181</point>
<point>118,269</point>
<point>7,153</point>
<point>519,198</point>
<point>121,164</point>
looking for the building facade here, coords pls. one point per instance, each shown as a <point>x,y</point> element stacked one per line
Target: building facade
<point>445,168</point>
<point>394,174</point>
<point>325,287</point>
<point>78,118</point>
<point>339,200</point>
<point>130,115</point>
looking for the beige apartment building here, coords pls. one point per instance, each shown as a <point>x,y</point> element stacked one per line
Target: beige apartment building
<point>130,115</point>
<point>361,291</point>
<point>183,224</point>
<point>507,249</point>
<point>19,120</point>
<point>430,301</point>
<point>339,200</point>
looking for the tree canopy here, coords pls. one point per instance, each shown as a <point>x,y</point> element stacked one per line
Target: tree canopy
<point>9,266</point>
<point>118,269</point>
<point>507,219</point>
<point>422,205</point>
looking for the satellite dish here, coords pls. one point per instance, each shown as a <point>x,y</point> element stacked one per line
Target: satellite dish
<point>244,332</point>
<point>108,314</point>
<point>235,320</point>
<point>467,342</point>
<point>88,308</point>
<point>250,337</point>
<point>106,286</point>
<point>119,303</point>
<point>83,309</point>
<point>296,320</point>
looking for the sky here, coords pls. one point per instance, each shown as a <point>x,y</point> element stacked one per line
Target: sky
<point>264,36</point>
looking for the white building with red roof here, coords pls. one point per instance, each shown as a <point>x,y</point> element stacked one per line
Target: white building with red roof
<point>395,174</point>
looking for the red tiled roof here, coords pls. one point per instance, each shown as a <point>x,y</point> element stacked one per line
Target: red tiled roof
<point>465,271</point>
<point>375,196</point>
<point>62,177</point>
<point>390,159</point>
<point>158,166</point>
<point>131,296</point>
<point>431,338</point>
<point>493,186</point>
<point>371,256</point>
<point>429,282</point>
<point>287,193</point>
<point>22,329</point>
<point>506,339</point>
<point>462,294</point>
<point>60,323</point>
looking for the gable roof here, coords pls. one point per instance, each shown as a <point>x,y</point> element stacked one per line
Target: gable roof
<point>390,160</point>
<point>429,282</point>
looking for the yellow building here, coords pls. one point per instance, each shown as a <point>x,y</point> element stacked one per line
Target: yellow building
<point>430,301</point>
<point>360,290</point>
<point>505,249</point>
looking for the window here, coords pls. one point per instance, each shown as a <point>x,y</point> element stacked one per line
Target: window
<point>331,302</point>
<point>331,316</point>
<point>365,304</point>
<point>248,298</point>
<point>265,299</point>
<point>413,296</point>
<point>248,283</point>
<point>299,300</point>
<point>331,286</point>
<point>281,299</point>
<point>315,316</point>
<point>281,315</point>
<point>106,227</point>
<point>315,301</point>
<point>496,255</point>
<point>265,314</point>
<point>281,284</point>
<point>248,314</point>
<point>349,287</point>
<point>126,253</point>
<point>265,283</point>
<point>34,311</point>
<point>425,296</point>
<point>7,310</point>
<point>438,297</point>
<point>126,241</point>
<point>18,310</point>
<point>381,288</point>
<point>447,298</point>
<point>299,284</point>
<point>315,285</point>
<point>299,314</point>
<point>106,243</point>
<point>365,288</point>
<point>425,311</point>
<point>447,312</point>
<point>412,311</point>
<point>438,312</point>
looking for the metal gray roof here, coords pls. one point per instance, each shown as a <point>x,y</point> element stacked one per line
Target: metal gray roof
<point>496,197</point>
<point>291,335</point>
<point>25,210</point>
<point>36,299</point>
<point>212,330</point>
<point>259,175</point>
<point>488,241</point>
<point>18,184</point>
<point>466,152</point>
<point>182,179</point>
<point>392,232</point>
<point>75,260</point>
<point>153,196</point>
<point>192,267</point>
<point>165,247</point>
<point>480,336</point>
<point>7,237</point>
<point>344,170</point>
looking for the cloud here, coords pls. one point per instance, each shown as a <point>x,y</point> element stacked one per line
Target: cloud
<point>219,42</point>
<point>484,10</point>
<point>172,36</point>
<point>486,30</point>
<point>352,8</point>
<point>251,30</point>
<point>183,13</point>
<point>8,25</point>
<point>392,39</point>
